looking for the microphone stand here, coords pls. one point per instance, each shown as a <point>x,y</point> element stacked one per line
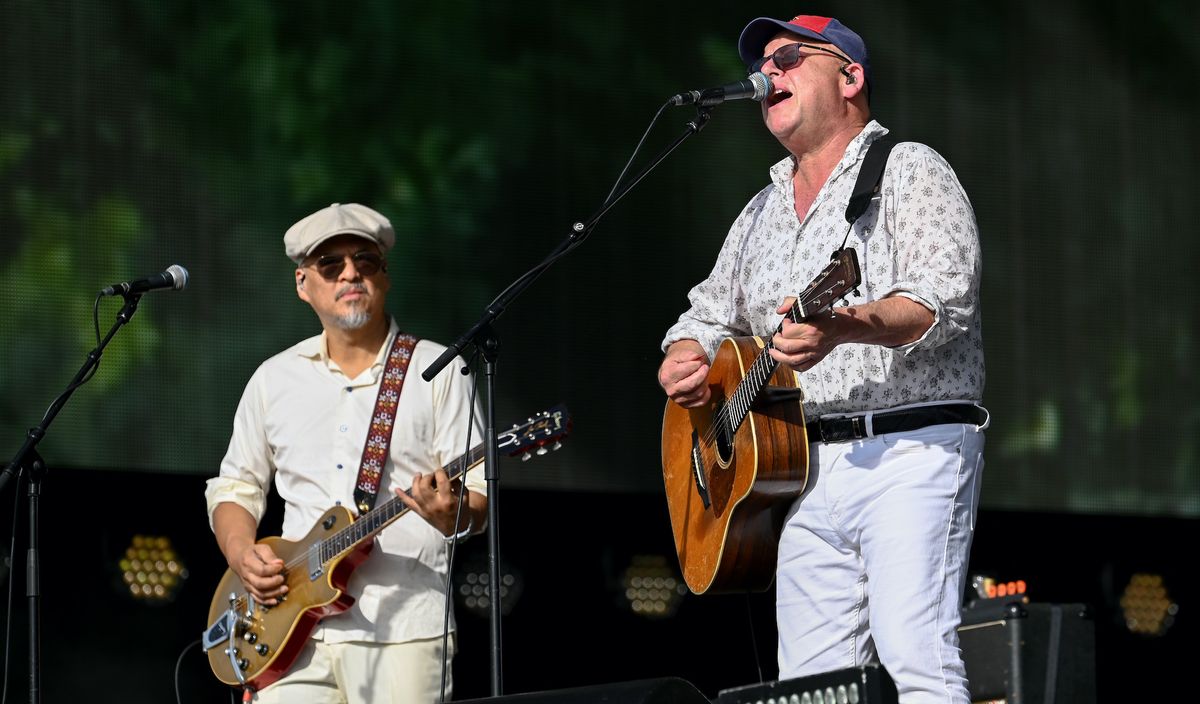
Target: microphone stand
<point>29,461</point>
<point>485,339</point>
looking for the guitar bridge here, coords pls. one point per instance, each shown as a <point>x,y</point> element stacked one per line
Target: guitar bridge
<point>698,470</point>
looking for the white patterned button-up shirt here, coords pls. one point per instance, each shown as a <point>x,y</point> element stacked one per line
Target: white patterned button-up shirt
<point>917,239</point>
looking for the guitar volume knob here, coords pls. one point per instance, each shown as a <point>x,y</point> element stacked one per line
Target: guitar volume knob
<point>261,648</point>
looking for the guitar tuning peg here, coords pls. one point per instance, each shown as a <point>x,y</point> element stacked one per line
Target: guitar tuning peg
<point>557,445</point>
<point>541,450</point>
<point>526,457</point>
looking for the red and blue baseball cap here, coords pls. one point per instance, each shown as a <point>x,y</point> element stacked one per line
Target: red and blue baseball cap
<point>822,29</point>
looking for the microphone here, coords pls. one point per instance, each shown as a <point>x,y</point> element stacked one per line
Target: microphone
<point>175,277</point>
<point>756,87</point>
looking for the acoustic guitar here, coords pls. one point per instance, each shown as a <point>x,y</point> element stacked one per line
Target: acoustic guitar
<point>251,644</point>
<point>733,466</point>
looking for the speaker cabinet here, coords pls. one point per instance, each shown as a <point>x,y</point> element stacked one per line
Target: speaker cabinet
<point>666,690</point>
<point>868,684</point>
<point>1029,653</point>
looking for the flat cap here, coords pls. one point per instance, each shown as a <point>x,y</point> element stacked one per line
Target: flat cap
<point>337,219</point>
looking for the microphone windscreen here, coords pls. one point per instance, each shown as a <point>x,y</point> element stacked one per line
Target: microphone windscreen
<point>179,275</point>
<point>762,85</point>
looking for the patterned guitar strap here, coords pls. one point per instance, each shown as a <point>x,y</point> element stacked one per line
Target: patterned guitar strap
<point>379,437</point>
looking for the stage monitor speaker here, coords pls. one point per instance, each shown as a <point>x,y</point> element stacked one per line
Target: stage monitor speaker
<point>1029,653</point>
<point>665,690</point>
<point>869,684</point>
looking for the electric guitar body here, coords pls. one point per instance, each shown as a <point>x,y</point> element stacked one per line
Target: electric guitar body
<point>252,645</point>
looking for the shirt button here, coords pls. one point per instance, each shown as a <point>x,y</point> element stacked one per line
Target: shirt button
<point>337,503</point>
<point>339,466</point>
<point>343,428</point>
<point>349,389</point>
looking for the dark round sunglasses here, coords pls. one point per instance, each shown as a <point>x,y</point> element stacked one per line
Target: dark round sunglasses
<point>788,57</point>
<point>331,266</point>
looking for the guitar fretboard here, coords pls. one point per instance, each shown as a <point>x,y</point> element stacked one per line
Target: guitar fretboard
<point>761,369</point>
<point>818,296</point>
<point>380,517</point>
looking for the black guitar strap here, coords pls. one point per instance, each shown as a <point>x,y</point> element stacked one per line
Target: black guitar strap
<point>869,177</point>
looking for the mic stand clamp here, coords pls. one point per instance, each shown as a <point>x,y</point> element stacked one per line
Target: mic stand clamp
<point>28,461</point>
<point>484,337</point>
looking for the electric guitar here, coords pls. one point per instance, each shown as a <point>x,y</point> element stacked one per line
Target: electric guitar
<point>251,644</point>
<point>733,466</point>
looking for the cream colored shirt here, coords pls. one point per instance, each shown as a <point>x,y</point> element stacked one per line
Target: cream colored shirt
<point>303,422</point>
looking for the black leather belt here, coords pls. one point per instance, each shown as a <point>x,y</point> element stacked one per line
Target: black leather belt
<point>845,428</point>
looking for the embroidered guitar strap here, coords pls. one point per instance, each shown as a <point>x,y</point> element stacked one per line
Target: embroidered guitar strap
<point>379,437</point>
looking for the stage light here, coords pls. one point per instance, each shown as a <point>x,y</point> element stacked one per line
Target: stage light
<point>473,594</point>
<point>151,570</point>
<point>1146,607</point>
<point>652,587</point>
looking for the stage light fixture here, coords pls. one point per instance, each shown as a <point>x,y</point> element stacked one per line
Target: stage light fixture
<point>1146,606</point>
<point>151,570</point>
<point>652,587</point>
<point>473,593</point>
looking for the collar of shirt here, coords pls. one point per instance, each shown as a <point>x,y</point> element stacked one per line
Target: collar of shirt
<point>317,349</point>
<point>781,172</point>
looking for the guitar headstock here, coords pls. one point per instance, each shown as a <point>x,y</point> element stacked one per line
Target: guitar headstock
<point>540,434</point>
<point>842,276</point>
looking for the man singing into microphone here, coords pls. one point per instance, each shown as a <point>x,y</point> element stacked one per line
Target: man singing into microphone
<point>872,559</point>
<point>335,420</point>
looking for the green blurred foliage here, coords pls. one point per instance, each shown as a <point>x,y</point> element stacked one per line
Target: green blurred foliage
<point>139,133</point>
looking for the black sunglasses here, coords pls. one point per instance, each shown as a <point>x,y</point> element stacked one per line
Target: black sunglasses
<point>788,57</point>
<point>331,266</point>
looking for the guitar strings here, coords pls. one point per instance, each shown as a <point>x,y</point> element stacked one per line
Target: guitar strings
<point>764,364</point>
<point>760,370</point>
<point>456,468</point>
<point>366,519</point>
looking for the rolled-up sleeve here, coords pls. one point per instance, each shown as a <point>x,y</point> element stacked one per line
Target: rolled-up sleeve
<point>936,248</point>
<point>246,469</point>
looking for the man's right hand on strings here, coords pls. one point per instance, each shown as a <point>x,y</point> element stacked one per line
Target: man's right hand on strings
<point>684,374</point>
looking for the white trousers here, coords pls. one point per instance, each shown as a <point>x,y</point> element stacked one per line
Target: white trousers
<point>873,560</point>
<point>363,673</point>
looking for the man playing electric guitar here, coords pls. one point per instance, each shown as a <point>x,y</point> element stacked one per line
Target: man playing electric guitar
<point>872,556</point>
<point>334,421</point>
